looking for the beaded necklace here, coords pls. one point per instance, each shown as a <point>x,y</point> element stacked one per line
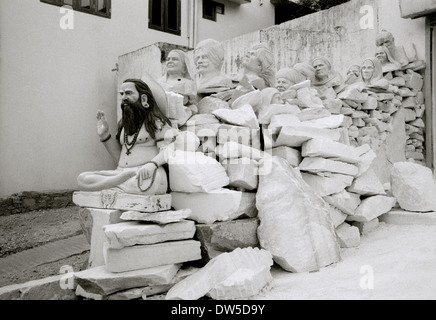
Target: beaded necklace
<point>131,144</point>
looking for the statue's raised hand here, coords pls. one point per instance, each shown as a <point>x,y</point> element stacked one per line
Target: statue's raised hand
<point>102,125</point>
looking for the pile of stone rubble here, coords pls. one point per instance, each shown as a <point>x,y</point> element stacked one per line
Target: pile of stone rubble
<point>249,191</point>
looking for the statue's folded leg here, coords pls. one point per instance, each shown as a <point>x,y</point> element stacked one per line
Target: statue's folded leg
<point>101,180</point>
<point>157,185</point>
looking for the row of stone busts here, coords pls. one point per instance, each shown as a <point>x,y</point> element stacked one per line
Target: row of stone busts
<point>368,95</point>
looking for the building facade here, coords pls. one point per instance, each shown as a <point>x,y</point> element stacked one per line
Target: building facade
<point>58,66</point>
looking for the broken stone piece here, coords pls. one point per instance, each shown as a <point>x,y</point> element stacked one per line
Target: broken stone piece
<point>242,135</point>
<point>266,114</point>
<point>233,150</point>
<point>345,201</point>
<point>98,219</point>
<point>326,148</point>
<point>349,236</point>
<point>163,217</point>
<point>327,185</point>
<point>372,207</point>
<point>127,234</point>
<point>317,164</point>
<point>195,172</point>
<point>313,114</point>
<point>300,237</point>
<point>227,236</point>
<point>154,255</point>
<point>244,116</point>
<point>226,266</point>
<point>244,283</point>
<point>296,136</point>
<point>367,184</point>
<point>99,281</point>
<point>293,156</point>
<point>115,199</point>
<point>217,205</point>
<point>366,227</point>
<point>209,104</point>
<point>242,173</point>
<point>413,186</point>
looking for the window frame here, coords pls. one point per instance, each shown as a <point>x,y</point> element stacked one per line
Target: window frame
<point>213,6</point>
<point>77,7</point>
<point>163,27</point>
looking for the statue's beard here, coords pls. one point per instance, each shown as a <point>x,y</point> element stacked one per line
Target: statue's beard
<point>133,116</point>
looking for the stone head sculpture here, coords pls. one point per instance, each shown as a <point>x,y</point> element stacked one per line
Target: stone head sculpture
<point>371,70</point>
<point>353,74</point>
<point>323,69</point>
<point>177,64</point>
<point>385,38</point>
<point>259,62</point>
<point>306,70</point>
<point>287,77</point>
<point>388,62</point>
<point>209,57</point>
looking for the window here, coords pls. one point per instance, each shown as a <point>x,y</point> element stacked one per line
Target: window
<point>164,15</point>
<point>211,8</point>
<point>96,7</point>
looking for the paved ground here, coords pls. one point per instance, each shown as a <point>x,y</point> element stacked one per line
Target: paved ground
<point>50,252</point>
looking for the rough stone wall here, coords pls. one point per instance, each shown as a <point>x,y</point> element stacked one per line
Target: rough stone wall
<point>336,33</point>
<point>27,201</point>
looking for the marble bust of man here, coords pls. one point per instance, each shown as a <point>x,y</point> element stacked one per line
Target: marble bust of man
<point>259,66</point>
<point>385,38</point>
<point>209,59</point>
<point>325,76</point>
<point>287,77</point>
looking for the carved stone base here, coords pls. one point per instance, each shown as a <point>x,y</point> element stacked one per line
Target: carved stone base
<point>118,200</point>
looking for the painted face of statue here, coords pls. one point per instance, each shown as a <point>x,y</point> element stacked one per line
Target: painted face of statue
<point>174,64</point>
<point>367,70</point>
<point>128,92</point>
<point>321,69</point>
<point>381,55</point>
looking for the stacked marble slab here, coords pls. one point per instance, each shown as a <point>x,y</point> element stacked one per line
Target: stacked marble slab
<point>225,214</point>
<point>369,117</point>
<point>137,241</point>
<point>336,169</point>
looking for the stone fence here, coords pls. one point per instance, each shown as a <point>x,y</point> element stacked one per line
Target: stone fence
<point>27,201</point>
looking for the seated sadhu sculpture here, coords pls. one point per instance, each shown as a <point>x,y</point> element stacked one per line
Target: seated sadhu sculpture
<point>209,59</point>
<point>325,77</point>
<point>139,146</point>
